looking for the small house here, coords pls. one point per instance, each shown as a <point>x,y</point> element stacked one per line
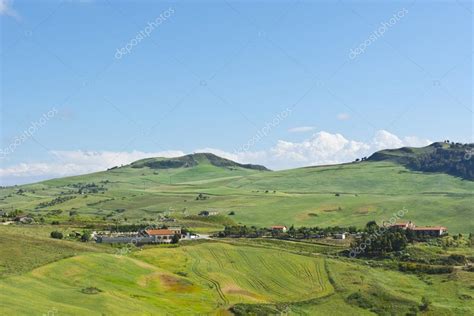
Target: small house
<point>282,229</point>
<point>24,219</point>
<point>340,236</point>
<point>208,213</point>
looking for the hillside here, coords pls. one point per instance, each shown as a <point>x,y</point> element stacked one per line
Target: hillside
<point>451,158</point>
<point>347,194</point>
<point>213,278</point>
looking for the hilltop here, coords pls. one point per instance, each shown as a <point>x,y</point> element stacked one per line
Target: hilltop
<point>451,158</point>
<point>193,160</point>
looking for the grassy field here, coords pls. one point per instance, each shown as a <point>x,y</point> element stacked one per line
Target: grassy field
<point>210,277</point>
<point>301,197</point>
<point>205,278</point>
<point>23,249</point>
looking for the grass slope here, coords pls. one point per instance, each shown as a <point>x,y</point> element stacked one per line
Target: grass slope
<point>24,249</point>
<point>209,278</point>
<point>206,278</point>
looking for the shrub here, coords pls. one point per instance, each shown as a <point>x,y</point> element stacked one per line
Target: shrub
<point>254,309</point>
<point>57,235</point>
<point>86,236</point>
<point>425,268</point>
<point>91,290</point>
<point>175,239</point>
<point>457,259</point>
<point>359,300</point>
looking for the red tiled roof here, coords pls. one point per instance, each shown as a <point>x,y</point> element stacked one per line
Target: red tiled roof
<point>159,232</point>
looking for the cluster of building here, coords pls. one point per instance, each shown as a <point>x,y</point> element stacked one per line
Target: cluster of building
<point>146,236</point>
<point>433,231</point>
<point>421,231</point>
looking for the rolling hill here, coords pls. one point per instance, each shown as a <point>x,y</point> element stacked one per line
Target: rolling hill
<point>246,276</point>
<point>215,277</point>
<point>451,158</point>
<point>346,194</point>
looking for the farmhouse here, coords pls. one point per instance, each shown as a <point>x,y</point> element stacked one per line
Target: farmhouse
<point>24,219</point>
<point>175,230</point>
<point>161,235</point>
<point>282,229</point>
<point>434,231</point>
<point>430,231</point>
<point>208,213</point>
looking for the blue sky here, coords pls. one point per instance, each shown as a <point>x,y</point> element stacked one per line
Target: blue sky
<point>220,75</point>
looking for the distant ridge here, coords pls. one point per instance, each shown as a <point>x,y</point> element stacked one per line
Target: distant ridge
<point>452,158</point>
<point>193,160</point>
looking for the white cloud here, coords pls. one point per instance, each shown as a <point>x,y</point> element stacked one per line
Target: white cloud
<point>255,157</point>
<point>301,129</point>
<point>6,9</point>
<point>413,141</point>
<point>326,148</point>
<point>79,162</point>
<point>343,116</point>
<point>384,139</point>
<point>321,148</point>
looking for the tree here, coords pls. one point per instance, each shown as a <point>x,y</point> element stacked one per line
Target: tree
<point>175,239</point>
<point>371,226</point>
<point>57,235</point>
<point>86,236</point>
<point>292,231</point>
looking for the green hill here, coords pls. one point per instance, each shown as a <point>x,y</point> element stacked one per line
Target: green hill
<point>451,158</point>
<point>190,161</point>
<point>346,194</point>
